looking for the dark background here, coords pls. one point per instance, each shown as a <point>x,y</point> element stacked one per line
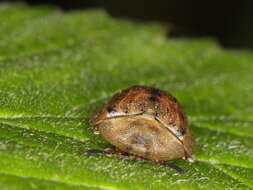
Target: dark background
<point>230,22</point>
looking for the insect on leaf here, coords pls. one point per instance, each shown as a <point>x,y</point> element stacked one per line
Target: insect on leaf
<point>56,67</point>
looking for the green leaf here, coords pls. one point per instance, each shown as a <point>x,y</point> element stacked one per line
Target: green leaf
<point>56,67</point>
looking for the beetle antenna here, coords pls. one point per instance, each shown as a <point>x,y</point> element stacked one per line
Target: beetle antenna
<point>173,166</point>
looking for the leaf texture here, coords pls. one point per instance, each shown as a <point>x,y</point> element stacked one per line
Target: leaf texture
<point>57,67</point>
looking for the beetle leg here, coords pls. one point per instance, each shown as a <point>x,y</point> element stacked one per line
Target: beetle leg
<point>105,151</point>
<point>173,166</point>
<point>120,153</point>
<point>94,151</point>
<point>162,163</point>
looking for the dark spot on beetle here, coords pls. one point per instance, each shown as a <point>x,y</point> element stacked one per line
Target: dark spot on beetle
<point>128,148</point>
<point>130,101</point>
<point>167,113</point>
<point>173,124</point>
<point>111,110</point>
<point>140,140</point>
<point>154,128</point>
<point>131,127</point>
<point>147,154</point>
<point>155,92</point>
<point>180,132</point>
<point>153,99</point>
<point>173,99</point>
<point>156,114</point>
<point>155,131</point>
<point>141,107</point>
<point>125,109</point>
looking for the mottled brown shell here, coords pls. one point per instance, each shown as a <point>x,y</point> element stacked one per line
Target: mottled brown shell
<point>146,122</point>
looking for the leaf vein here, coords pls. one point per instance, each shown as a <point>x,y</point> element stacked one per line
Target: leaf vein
<point>62,181</point>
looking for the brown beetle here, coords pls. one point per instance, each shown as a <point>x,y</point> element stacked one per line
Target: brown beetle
<point>145,122</point>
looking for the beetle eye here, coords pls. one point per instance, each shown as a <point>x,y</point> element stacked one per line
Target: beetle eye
<point>153,99</point>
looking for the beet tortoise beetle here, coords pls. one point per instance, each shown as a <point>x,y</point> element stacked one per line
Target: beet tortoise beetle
<point>145,122</point>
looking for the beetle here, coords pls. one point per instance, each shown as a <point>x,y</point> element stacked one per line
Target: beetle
<point>145,122</point>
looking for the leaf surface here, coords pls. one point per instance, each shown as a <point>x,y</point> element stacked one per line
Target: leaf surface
<point>57,67</point>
